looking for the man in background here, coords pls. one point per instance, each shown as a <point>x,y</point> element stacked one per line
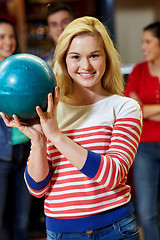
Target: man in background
<point>58,17</point>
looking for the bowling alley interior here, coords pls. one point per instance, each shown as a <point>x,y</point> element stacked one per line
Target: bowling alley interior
<point>124,20</point>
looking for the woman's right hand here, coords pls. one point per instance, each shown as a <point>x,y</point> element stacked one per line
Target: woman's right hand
<point>32,128</point>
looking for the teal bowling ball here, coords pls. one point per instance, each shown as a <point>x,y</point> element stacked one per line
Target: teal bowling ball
<point>25,81</point>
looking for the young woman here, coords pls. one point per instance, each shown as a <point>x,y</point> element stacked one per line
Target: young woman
<point>86,141</point>
<point>14,150</point>
<point>143,84</point>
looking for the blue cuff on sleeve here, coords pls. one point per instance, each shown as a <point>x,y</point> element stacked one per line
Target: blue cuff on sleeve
<point>37,185</point>
<point>92,164</point>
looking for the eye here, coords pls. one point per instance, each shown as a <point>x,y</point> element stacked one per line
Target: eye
<point>1,36</point>
<point>66,22</point>
<point>76,57</point>
<point>94,56</point>
<point>147,41</point>
<point>53,24</point>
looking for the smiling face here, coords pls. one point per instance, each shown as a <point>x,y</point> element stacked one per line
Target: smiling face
<point>150,46</point>
<point>7,41</point>
<point>86,62</point>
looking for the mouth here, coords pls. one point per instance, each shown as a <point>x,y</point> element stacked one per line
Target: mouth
<point>145,54</point>
<point>86,75</point>
<point>7,49</point>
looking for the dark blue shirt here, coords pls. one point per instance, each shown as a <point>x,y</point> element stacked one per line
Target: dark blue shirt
<point>6,147</point>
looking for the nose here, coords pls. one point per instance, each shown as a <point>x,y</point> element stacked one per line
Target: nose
<point>143,48</point>
<point>85,64</point>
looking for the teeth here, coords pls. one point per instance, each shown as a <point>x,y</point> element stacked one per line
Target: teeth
<point>86,74</point>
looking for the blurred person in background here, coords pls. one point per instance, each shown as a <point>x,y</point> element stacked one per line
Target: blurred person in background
<point>15,200</point>
<point>58,17</point>
<point>143,84</point>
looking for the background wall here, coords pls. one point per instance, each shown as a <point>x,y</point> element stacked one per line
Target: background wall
<point>130,18</point>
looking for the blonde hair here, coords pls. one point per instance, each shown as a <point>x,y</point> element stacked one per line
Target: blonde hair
<point>112,79</point>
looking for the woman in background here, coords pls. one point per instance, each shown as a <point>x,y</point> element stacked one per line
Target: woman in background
<point>15,200</point>
<point>86,141</point>
<point>143,85</point>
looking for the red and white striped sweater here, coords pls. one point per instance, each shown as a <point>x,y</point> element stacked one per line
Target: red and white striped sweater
<point>111,130</point>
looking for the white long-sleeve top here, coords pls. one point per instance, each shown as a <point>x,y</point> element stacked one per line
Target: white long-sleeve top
<point>110,130</point>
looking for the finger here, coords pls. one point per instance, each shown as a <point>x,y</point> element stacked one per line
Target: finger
<point>40,113</point>
<point>5,118</point>
<point>57,92</point>
<point>17,121</point>
<point>50,103</point>
<point>18,124</point>
<point>56,96</point>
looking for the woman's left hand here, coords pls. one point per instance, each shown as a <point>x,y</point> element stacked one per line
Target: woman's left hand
<point>48,119</point>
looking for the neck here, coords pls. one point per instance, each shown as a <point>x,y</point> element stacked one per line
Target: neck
<point>154,67</point>
<point>155,63</point>
<point>86,96</point>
